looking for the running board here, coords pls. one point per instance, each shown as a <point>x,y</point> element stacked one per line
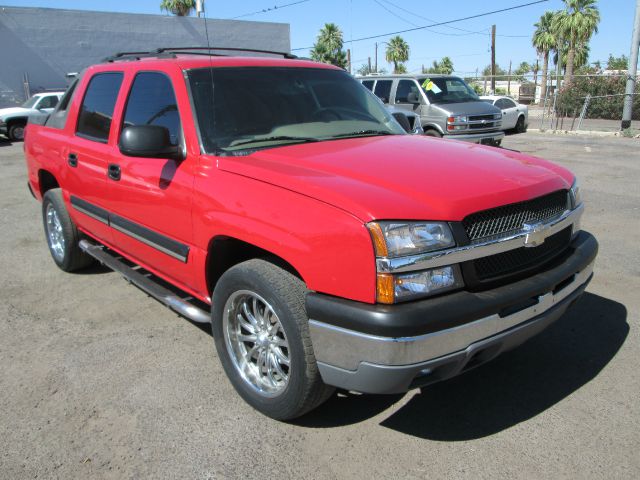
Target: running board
<point>146,284</point>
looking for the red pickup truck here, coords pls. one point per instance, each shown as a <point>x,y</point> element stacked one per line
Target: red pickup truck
<point>277,199</point>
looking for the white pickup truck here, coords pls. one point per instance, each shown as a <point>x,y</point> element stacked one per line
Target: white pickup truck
<point>14,119</point>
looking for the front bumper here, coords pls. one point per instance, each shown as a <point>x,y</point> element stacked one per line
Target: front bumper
<point>391,349</point>
<point>476,137</point>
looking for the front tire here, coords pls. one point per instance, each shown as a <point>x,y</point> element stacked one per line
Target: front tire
<point>62,234</point>
<point>520,127</point>
<point>16,132</point>
<point>432,133</point>
<point>261,333</point>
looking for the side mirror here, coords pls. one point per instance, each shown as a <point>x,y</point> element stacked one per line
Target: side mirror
<point>152,141</point>
<point>402,119</point>
<point>413,97</point>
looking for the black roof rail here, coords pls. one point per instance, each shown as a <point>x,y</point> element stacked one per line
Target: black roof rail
<point>170,52</point>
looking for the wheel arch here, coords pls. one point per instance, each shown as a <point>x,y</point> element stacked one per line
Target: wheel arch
<point>224,252</point>
<point>46,181</point>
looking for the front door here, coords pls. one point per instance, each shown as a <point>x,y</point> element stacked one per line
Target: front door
<point>149,199</point>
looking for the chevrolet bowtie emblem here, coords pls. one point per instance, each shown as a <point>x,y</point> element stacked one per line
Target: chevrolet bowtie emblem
<point>536,233</point>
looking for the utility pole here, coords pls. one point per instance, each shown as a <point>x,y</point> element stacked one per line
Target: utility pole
<point>199,7</point>
<point>349,60</point>
<point>509,80</point>
<point>631,73</point>
<point>493,59</point>
<point>369,64</point>
<point>376,64</point>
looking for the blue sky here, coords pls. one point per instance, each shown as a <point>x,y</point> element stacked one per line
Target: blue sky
<point>360,18</point>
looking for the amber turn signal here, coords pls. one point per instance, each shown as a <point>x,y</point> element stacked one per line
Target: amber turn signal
<point>385,288</point>
<point>379,243</point>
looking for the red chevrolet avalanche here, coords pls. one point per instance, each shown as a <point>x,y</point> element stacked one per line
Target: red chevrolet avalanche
<point>279,200</point>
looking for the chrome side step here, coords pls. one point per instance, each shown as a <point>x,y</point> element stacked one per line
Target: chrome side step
<point>146,283</point>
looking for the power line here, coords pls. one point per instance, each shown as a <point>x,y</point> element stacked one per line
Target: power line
<point>470,17</point>
<point>265,10</point>
<point>468,32</point>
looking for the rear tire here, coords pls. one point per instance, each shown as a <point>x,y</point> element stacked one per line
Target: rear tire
<point>261,333</point>
<point>432,133</point>
<point>61,233</point>
<point>16,132</point>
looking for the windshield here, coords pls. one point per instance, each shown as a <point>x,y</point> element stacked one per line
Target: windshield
<point>31,102</point>
<point>447,90</point>
<point>265,107</point>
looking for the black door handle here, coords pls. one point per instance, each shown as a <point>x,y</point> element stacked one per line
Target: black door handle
<point>72,160</point>
<point>114,171</point>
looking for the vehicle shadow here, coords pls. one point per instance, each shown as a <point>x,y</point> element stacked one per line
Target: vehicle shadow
<point>5,142</point>
<point>515,387</point>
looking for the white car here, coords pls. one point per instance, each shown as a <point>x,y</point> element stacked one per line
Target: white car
<point>14,119</point>
<point>514,115</point>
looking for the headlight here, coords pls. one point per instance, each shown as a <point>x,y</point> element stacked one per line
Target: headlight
<point>412,285</point>
<point>497,116</point>
<point>395,239</point>
<point>457,119</point>
<point>576,195</point>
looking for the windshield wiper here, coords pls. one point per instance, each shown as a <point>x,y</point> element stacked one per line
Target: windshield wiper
<point>275,139</point>
<point>363,133</point>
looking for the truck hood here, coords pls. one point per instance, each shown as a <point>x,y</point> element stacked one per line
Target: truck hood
<point>14,111</point>
<point>403,176</point>
<point>467,108</point>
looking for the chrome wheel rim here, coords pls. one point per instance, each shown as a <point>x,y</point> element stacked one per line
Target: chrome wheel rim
<point>18,133</point>
<point>54,233</point>
<point>257,343</point>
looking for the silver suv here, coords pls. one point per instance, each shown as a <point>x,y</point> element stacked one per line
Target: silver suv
<point>447,106</point>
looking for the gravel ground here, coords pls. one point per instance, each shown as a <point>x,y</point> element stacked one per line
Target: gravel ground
<point>99,381</point>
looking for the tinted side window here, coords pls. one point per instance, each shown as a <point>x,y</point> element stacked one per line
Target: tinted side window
<point>501,104</point>
<point>405,87</point>
<point>383,90</point>
<point>368,84</point>
<point>152,102</point>
<point>94,120</point>
<point>508,103</point>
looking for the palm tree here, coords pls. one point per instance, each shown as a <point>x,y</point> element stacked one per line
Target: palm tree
<point>397,52</point>
<point>328,46</point>
<point>576,23</point>
<point>181,8</point>
<point>544,41</point>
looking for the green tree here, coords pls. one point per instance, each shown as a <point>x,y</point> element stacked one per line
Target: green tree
<point>444,66</point>
<point>544,41</point>
<point>397,53</point>
<point>618,63</point>
<point>328,46</point>
<point>522,70</point>
<point>365,70</point>
<point>580,59</point>
<point>576,23</point>
<point>501,73</point>
<point>181,8</point>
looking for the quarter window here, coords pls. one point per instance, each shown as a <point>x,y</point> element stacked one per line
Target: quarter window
<point>383,90</point>
<point>152,102</point>
<point>96,112</point>
<point>368,84</point>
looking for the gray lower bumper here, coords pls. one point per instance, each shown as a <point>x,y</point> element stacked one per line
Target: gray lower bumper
<point>372,364</point>
<point>477,137</point>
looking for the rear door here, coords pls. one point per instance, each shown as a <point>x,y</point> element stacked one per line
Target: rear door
<point>87,153</point>
<point>150,198</point>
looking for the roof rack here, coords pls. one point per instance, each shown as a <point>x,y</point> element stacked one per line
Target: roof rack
<point>170,52</point>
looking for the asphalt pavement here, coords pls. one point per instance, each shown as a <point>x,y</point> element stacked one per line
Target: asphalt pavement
<point>97,380</point>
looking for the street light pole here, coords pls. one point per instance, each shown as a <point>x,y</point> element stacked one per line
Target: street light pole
<point>631,73</point>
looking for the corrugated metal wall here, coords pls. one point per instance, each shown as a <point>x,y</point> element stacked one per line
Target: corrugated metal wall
<point>45,44</point>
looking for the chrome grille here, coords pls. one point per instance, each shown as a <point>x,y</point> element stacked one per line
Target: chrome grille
<point>474,118</point>
<point>512,217</point>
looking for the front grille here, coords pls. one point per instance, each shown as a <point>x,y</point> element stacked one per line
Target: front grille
<point>511,218</point>
<point>474,118</point>
<point>523,258</point>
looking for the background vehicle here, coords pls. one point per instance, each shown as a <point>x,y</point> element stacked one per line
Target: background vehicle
<point>14,119</point>
<point>514,115</point>
<point>447,106</point>
<point>325,246</point>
